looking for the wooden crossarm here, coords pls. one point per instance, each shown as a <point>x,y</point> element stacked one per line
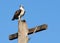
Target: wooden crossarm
<point>39,28</point>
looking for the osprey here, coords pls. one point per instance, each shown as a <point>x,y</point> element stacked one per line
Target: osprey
<point>19,13</point>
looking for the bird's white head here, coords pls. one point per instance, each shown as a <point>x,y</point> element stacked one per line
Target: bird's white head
<point>21,7</point>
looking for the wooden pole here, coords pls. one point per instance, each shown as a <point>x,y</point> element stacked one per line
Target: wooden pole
<point>22,32</point>
<point>39,28</point>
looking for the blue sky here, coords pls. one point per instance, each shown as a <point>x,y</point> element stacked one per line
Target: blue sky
<point>38,12</point>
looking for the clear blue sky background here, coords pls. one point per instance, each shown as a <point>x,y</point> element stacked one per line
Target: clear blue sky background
<point>38,12</point>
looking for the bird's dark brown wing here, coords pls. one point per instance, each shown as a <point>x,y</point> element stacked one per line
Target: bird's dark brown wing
<point>16,14</point>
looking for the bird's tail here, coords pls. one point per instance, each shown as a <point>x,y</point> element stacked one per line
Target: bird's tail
<point>13,19</point>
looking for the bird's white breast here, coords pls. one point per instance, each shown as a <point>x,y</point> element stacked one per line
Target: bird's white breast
<point>22,11</point>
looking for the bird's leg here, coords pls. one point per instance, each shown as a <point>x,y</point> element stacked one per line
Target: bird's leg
<point>19,17</point>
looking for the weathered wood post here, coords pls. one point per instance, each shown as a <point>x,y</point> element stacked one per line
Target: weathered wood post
<point>22,32</point>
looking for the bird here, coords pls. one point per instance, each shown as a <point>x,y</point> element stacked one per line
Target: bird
<point>19,13</point>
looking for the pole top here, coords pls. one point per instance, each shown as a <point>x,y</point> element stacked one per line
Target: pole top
<point>23,20</point>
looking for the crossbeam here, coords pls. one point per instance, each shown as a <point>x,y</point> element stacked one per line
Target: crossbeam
<point>39,28</point>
